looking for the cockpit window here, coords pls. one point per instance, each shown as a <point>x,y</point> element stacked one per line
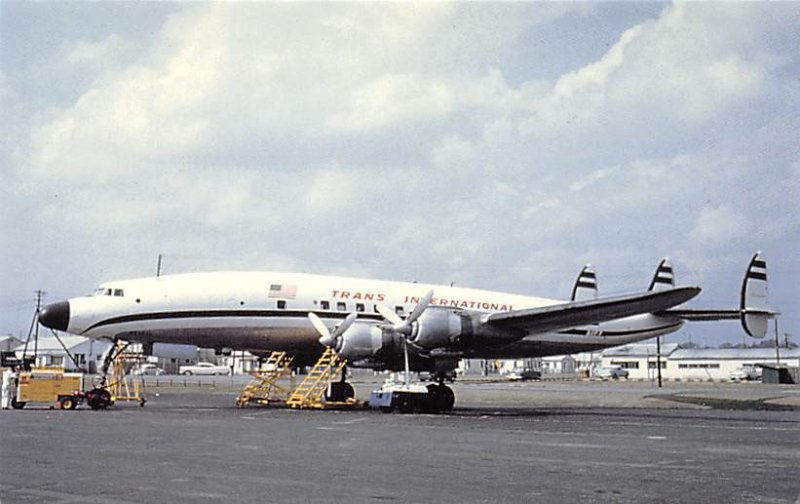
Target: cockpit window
<point>103,291</point>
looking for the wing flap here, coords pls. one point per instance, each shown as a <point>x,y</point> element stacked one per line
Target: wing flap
<point>566,315</point>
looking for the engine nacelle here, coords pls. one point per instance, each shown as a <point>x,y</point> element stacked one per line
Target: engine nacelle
<point>437,327</point>
<point>360,341</point>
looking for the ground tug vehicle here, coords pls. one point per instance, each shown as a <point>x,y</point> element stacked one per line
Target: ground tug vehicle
<point>54,386</point>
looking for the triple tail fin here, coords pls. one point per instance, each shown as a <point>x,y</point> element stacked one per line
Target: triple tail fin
<point>585,285</point>
<point>754,311</point>
<point>664,278</point>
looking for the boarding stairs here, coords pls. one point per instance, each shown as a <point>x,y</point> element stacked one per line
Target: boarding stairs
<point>310,394</point>
<point>123,386</point>
<point>263,389</point>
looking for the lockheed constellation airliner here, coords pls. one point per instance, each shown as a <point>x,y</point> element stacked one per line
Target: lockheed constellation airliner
<point>375,324</point>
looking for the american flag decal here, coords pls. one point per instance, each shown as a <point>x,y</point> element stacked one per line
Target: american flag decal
<point>282,291</point>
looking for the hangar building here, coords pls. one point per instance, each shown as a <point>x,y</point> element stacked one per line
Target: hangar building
<point>692,363</point>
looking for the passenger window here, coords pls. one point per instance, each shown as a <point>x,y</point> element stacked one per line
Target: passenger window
<point>108,292</point>
<point>118,292</point>
<point>325,305</point>
<point>359,307</point>
<point>399,310</point>
<point>375,308</point>
<point>341,306</point>
<point>281,304</point>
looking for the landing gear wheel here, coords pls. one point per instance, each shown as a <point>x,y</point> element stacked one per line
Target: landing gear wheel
<point>440,398</point>
<point>15,404</point>
<point>340,392</point>
<point>349,391</point>
<point>434,398</point>
<point>448,398</point>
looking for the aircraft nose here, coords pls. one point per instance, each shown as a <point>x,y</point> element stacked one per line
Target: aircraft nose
<point>55,316</point>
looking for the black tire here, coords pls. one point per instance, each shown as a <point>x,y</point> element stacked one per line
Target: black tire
<point>68,403</point>
<point>98,398</point>
<point>348,392</point>
<point>434,398</point>
<point>440,398</point>
<point>448,398</point>
<point>340,392</point>
<point>17,405</point>
<point>187,373</point>
<point>405,404</point>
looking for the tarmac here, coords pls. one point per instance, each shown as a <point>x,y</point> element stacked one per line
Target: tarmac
<point>504,442</point>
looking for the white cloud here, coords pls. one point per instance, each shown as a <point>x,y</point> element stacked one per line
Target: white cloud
<point>420,140</point>
<point>719,226</point>
<point>394,100</point>
<point>97,53</point>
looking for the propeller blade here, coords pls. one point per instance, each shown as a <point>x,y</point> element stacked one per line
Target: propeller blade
<point>421,306</point>
<point>344,326</point>
<point>325,335</point>
<point>390,315</point>
<point>404,326</point>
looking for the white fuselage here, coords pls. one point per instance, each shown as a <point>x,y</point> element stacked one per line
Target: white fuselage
<point>267,311</point>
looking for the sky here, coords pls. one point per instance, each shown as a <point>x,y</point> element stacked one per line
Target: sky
<point>494,145</point>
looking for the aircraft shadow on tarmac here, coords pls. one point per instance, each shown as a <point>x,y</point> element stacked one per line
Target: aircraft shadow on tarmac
<point>720,412</point>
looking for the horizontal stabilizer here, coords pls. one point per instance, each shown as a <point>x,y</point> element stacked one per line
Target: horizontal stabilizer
<point>585,285</point>
<point>704,315</point>
<point>576,313</point>
<point>753,311</point>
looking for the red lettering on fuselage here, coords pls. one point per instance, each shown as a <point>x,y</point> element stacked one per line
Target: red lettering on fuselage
<point>412,300</point>
<point>367,296</point>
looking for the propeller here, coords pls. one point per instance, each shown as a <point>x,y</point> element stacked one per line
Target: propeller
<point>327,337</point>
<point>404,326</point>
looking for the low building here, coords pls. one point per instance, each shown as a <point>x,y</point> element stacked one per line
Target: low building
<point>87,353</point>
<point>717,363</point>
<point>692,364</point>
<point>639,359</point>
<point>558,364</point>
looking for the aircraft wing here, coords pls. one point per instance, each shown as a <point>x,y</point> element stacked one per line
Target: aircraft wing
<point>577,313</point>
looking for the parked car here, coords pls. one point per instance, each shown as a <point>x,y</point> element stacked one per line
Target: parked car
<point>147,369</point>
<point>524,374</point>
<point>204,368</point>
<point>611,372</point>
<point>746,373</point>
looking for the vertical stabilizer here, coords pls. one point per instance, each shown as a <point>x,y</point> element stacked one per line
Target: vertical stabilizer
<point>663,279</point>
<point>585,285</point>
<point>754,310</point>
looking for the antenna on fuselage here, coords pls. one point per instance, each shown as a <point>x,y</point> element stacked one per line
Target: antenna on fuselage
<point>158,268</point>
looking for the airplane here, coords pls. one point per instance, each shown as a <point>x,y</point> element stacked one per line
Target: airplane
<point>389,325</point>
